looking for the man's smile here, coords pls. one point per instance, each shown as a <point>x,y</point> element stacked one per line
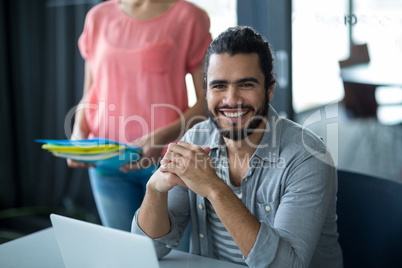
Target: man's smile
<point>234,113</point>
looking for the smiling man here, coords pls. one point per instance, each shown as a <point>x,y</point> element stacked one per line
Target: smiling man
<point>234,78</point>
<point>259,190</point>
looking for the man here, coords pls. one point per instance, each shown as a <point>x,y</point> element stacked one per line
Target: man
<point>259,190</point>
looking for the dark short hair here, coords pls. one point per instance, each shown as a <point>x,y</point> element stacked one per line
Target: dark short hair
<point>243,39</point>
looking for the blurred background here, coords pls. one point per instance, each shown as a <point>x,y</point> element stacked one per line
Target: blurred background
<point>338,67</point>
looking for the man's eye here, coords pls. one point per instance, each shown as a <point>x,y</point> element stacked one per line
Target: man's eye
<point>218,87</point>
<point>246,85</point>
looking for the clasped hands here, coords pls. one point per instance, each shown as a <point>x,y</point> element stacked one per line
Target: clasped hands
<point>187,165</point>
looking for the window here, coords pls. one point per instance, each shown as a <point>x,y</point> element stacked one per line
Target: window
<point>223,14</point>
<point>320,33</point>
<point>319,41</point>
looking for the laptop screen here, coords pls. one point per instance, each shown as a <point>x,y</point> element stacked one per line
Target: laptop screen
<point>84,244</point>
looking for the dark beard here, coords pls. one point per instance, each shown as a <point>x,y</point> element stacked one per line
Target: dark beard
<point>233,132</point>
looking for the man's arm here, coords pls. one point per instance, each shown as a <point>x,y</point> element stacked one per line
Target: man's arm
<point>242,226</point>
<point>194,168</point>
<point>154,220</point>
<point>292,236</point>
<point>153,217</point>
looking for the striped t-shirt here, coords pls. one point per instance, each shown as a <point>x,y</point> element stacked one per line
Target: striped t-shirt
<point>223,245</point>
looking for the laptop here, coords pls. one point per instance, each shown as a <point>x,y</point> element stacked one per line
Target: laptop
<point>84,244</point>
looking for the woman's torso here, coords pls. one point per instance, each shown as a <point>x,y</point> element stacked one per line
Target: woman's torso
<point>138,70</point>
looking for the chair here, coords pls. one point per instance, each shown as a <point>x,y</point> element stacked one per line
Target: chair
<point>358,55</point>
<point>359,99</point>
<point>369,220</point>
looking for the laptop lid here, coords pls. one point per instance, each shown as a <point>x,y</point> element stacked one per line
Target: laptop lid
<point>84,244</point>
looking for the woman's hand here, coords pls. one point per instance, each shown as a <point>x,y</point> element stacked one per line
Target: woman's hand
<point>78,135</point>
<point>77,164</point>
<point>151,153</point>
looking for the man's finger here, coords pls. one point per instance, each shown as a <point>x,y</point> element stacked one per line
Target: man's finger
<point>206,150</point>
<point>173,157</point>
<point>173,167</point>
<point>189,146</point>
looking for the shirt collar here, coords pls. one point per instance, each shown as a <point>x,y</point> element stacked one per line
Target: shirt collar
<point>268,149</point>
<point>214,140</point>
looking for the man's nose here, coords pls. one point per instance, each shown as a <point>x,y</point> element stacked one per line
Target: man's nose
<point>232,97</point>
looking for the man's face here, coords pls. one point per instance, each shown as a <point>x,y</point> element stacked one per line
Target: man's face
<point>237,101</point>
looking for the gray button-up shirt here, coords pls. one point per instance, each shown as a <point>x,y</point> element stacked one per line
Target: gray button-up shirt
<point>290,188</point>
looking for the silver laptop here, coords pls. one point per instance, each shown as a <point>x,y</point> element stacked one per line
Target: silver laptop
<point>84,244</point>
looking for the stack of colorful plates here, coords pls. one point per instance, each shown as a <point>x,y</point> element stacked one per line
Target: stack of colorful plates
<point>106,155</point>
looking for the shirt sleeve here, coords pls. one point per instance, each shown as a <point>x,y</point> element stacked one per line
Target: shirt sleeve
<point>200,40</point>
<point>291,240</point>
<point>179,215</point>
<point>85,39</point>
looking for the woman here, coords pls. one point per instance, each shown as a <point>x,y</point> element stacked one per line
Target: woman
<point>137,53</point>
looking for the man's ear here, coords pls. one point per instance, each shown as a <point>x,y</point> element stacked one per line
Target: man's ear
<point>271,90</point>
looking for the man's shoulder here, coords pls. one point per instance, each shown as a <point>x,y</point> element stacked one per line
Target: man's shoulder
<point>296,135</point>
<point>287,134</point>
<point>299,142</point>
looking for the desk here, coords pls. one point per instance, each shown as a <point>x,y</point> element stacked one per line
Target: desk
<point>370,74</point>
<point>40,250</point>
<point>360,82</point>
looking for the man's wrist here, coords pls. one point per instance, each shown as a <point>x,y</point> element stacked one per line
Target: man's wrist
<point>217,192</point>
<point>153,190</point>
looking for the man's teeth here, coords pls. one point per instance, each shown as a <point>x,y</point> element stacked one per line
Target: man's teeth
<point>237,114</point>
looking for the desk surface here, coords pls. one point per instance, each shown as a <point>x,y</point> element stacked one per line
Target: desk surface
<point>373,74</point>
<point>41,250</point>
